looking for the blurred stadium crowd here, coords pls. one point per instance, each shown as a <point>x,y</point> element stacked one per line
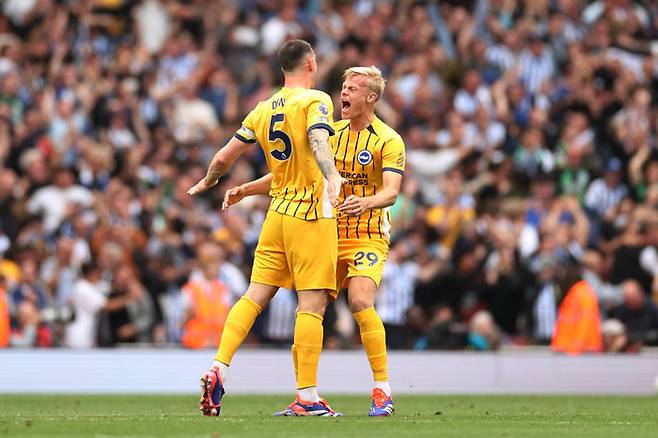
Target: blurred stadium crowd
<point>530,129</point>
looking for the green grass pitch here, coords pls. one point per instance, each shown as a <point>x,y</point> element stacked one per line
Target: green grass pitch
<point>251,416</point>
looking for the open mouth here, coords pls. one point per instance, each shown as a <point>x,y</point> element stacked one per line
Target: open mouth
<point>345,105</point>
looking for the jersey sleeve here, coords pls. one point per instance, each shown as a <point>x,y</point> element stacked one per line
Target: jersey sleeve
<point>393,157</point>
<point>247,132</point>
<point>320,113</point>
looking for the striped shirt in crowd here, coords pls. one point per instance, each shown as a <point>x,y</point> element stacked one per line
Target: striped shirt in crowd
<point>501,56</point>
<point>545,312</point>
<point>396,292</point>
<point>600,197</point>
<point>280,323</point>
<point>534,70</point>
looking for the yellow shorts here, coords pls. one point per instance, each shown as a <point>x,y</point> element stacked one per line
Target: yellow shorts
<point>296,254</point>
<point>360,258</point>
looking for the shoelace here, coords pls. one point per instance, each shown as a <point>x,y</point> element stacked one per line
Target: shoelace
<point>379,397</point>
<point>324,403</point>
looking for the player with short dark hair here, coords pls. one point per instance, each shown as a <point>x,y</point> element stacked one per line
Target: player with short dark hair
<point>297,246</point>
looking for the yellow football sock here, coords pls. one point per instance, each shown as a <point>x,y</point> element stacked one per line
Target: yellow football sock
<point>238,323</point>
<point>373,338</point>
<point>293,350</point>
<point>308,344</point>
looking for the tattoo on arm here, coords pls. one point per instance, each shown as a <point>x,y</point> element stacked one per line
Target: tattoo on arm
<point>319,140</point>
<point>215,171</point>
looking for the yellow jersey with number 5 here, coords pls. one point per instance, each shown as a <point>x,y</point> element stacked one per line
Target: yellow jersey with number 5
<point>280,125</point>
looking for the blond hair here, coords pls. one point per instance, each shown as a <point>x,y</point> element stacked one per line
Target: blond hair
<point>376,81</point>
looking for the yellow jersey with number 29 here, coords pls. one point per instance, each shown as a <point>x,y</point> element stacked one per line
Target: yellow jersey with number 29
<point>280,125</point>
<point>361,158</point>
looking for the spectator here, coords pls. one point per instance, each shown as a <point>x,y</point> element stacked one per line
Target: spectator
<point>472,96</point>
<point>578,325</point>
<point>395,295</point>
<point>543,299</point>
<point>133,321</point>
<point>454,211</point>
<point>483,333</point>
<point>206,300</point>
<point>638,314</point>
<point>604,194</point>
<point>87,300</point>
<point>5,322</point>
<point>505,284</point>
<point>596,274</point>
<point>53,201</point>
<point>614,336</point>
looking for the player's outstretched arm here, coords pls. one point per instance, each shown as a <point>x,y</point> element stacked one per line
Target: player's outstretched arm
<point>260,186</point>
<point>221,162</point>
<point>355,205</point>
<point>319,140</point>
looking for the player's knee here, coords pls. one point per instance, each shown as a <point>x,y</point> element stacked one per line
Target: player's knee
<point>314,302</point>
<point>261,294</point>
<point>361,294</point>
<point>359,302</point>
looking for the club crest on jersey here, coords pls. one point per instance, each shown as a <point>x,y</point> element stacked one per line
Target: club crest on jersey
<point>364,157</point>
<point>323,109</point>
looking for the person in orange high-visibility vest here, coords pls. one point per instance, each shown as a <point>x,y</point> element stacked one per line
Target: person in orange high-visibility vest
<point>4,319</point>
<point>207,300</point>
<point>578,326</point>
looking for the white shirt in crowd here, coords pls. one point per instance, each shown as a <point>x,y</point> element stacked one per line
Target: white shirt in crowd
<point>274,33</point>
<point>466,103</point>
<point>545,312</point>
<point>481,139</point>
<point>154,24</point>
<point>52,201</point>
<point>649,260</point>
<point>87,300</point>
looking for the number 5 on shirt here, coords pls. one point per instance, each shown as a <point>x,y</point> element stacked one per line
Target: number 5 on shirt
<point>276,134</point>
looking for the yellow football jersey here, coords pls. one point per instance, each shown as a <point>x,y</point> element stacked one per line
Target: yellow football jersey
<point>362,158</point>
<point>280,125</point>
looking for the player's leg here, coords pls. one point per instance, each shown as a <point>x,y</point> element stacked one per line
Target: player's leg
<point>239,321</point>
<point>306,355</point>
<point>365,273</point>
<point>341,275</point>
<point>270,271</point>
<point>314,275</point>
<point>361,298</point>
<point>307,340</point>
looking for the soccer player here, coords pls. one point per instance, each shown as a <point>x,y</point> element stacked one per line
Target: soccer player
<point>297,246</point>
<point>370,155</point>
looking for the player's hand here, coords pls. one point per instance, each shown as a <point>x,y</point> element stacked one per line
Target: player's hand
<point>201,186</point>
<point>354,206</point>
<point>232,196</point>
<point>335,183</point>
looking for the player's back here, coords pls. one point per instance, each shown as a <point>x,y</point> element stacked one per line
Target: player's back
<point>362,157</point>
<point>280,125</point>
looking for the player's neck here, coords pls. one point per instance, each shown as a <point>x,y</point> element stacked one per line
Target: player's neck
<point>293,80</point>
<point>362,121</point>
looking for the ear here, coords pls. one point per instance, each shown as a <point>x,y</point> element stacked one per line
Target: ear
<point>372,98</point>
<point>309,63</point>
